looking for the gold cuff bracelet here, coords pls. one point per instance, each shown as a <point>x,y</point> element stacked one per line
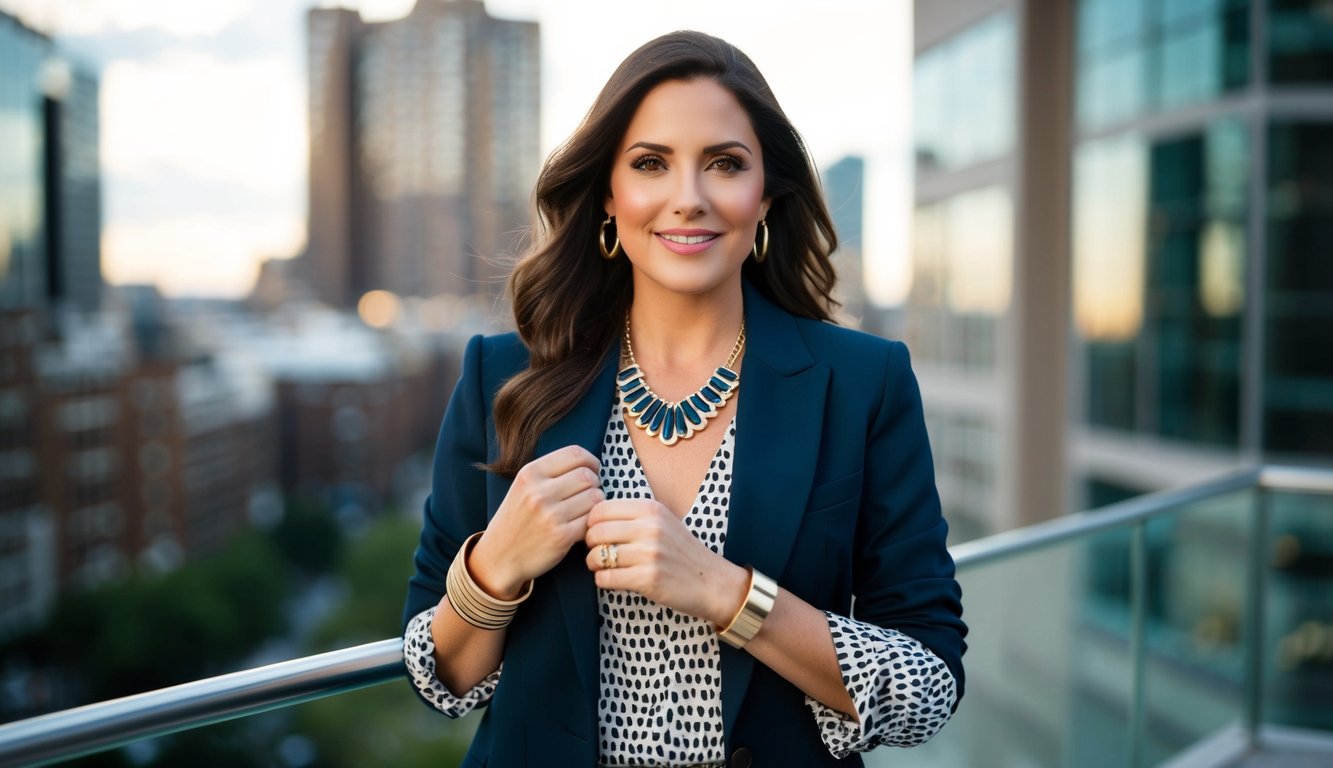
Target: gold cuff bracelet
<point>758,604</point>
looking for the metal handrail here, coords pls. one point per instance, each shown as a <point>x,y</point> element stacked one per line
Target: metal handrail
<point>1124,514</point>
<point>1121,515</point>
<point>1296,479</point>
<point>109,724</point>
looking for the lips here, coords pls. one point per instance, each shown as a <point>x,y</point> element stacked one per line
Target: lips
<point>686,241</point>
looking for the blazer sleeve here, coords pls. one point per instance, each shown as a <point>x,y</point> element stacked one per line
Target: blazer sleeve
<point>456,507</point>
<point>903,573</point>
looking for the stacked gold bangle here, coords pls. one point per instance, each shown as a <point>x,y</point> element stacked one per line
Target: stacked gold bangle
<point>471,602</point>
<point>758,604</point>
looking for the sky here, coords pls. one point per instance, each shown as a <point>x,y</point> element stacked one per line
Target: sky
<point>204,141</point>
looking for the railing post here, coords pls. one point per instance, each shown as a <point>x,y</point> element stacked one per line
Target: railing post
<point>1138,608</point>
<point>1256,588</point>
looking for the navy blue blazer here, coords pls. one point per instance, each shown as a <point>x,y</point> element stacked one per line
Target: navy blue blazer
<point>833,495</point>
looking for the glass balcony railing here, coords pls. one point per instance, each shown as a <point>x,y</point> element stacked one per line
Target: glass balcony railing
<point>1188,627</point>
<point>1178,628</point>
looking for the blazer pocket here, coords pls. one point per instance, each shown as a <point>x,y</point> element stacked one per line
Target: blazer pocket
<point>834,493</point>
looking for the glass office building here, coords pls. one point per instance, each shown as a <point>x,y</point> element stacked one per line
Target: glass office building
<point>1130,214</point>
<point>1150,183</point>
<point>964,96</point>
<point>1202,231</point>
<point>23,54</point>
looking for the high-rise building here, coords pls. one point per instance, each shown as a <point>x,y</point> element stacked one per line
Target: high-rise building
<point>23,240</point>
<point>337,212</point>
<point>424,149</point>
<point>50,197</point>
<point>1120,236</point>
<point>73,187</point>
<point>844,191</point>
<point>1121,273</point>
<point>985,314</point>
<point>1201,236</point>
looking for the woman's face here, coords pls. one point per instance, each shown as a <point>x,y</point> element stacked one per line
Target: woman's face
<point>687,189</point>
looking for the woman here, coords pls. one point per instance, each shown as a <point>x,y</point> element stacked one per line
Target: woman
<point>628,556</point>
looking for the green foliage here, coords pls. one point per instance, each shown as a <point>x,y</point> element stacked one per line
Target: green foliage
<point>150,631</point>
<point>375,571</point>
<point>383,725</point>
<point>309,538</point>
<point>233,744</point>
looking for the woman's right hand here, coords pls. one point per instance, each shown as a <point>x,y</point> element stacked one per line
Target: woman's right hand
<point>542,516</point>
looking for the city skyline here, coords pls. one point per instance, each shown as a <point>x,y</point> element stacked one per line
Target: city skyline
<point>198,194</point>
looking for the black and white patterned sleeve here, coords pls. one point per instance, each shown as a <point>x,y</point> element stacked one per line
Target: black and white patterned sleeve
<point>903,693</point>
<point>419,656</point>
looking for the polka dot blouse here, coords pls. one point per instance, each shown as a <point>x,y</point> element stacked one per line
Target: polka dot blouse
<point>661,682</point>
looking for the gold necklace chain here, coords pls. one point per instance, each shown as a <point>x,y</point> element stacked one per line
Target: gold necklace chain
<point>731,361</point>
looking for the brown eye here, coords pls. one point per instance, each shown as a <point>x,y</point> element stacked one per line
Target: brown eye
<point>648,163</point>
<point>727,163</point>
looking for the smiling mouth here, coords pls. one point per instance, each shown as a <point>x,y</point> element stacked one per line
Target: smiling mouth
<point>686,239</point>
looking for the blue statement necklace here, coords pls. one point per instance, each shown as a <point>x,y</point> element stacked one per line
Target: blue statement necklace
<point>668,421</point>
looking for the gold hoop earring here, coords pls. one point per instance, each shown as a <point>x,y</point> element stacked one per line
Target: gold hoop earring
<point>601,241</point>
<point>761,251</point>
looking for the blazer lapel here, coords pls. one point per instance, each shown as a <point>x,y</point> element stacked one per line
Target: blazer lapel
<point>585,426</point>
<point>778,425</point>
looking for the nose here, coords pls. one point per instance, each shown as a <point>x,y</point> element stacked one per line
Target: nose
<point>690,200</point>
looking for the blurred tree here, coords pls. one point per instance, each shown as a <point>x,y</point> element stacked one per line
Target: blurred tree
<point>375,573</point>
<point>383,725</point>
<point>150,630</point>
<point>153,631</point>
<point>308,537</point>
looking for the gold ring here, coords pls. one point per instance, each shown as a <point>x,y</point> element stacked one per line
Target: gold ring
<point>615,555</point>
<point>604,553</point>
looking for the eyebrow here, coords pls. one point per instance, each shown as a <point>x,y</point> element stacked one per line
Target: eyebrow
<point>664,149</point>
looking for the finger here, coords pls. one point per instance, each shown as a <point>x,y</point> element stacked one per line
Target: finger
<point>623,558</point>
<point>563,460</point>
<point>572,533</point>
<point>593,559</point>
<point>615,578</point>
<point>611,532</point>
<point>579,506</point>
<point>571,483</point>
<point>621,509</point>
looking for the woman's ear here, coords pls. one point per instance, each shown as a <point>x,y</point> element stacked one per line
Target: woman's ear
<point>764,205</point>
<point>610,206</point>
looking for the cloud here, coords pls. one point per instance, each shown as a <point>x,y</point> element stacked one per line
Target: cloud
<point>226,121</point>
<point>176,18</point>
<point>197,255</point>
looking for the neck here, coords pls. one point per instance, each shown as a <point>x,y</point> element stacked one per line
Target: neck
<point>684,332</point>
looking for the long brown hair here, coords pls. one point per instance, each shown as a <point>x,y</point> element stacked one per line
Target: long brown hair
<point>570,303</point>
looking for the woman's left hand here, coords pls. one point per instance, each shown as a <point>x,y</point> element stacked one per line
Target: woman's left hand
<point>658,557</point>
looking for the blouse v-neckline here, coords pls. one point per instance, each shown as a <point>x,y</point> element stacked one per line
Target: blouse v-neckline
<point>632,457</point>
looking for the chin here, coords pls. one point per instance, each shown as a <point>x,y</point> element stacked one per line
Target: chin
<point>691,283</point>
